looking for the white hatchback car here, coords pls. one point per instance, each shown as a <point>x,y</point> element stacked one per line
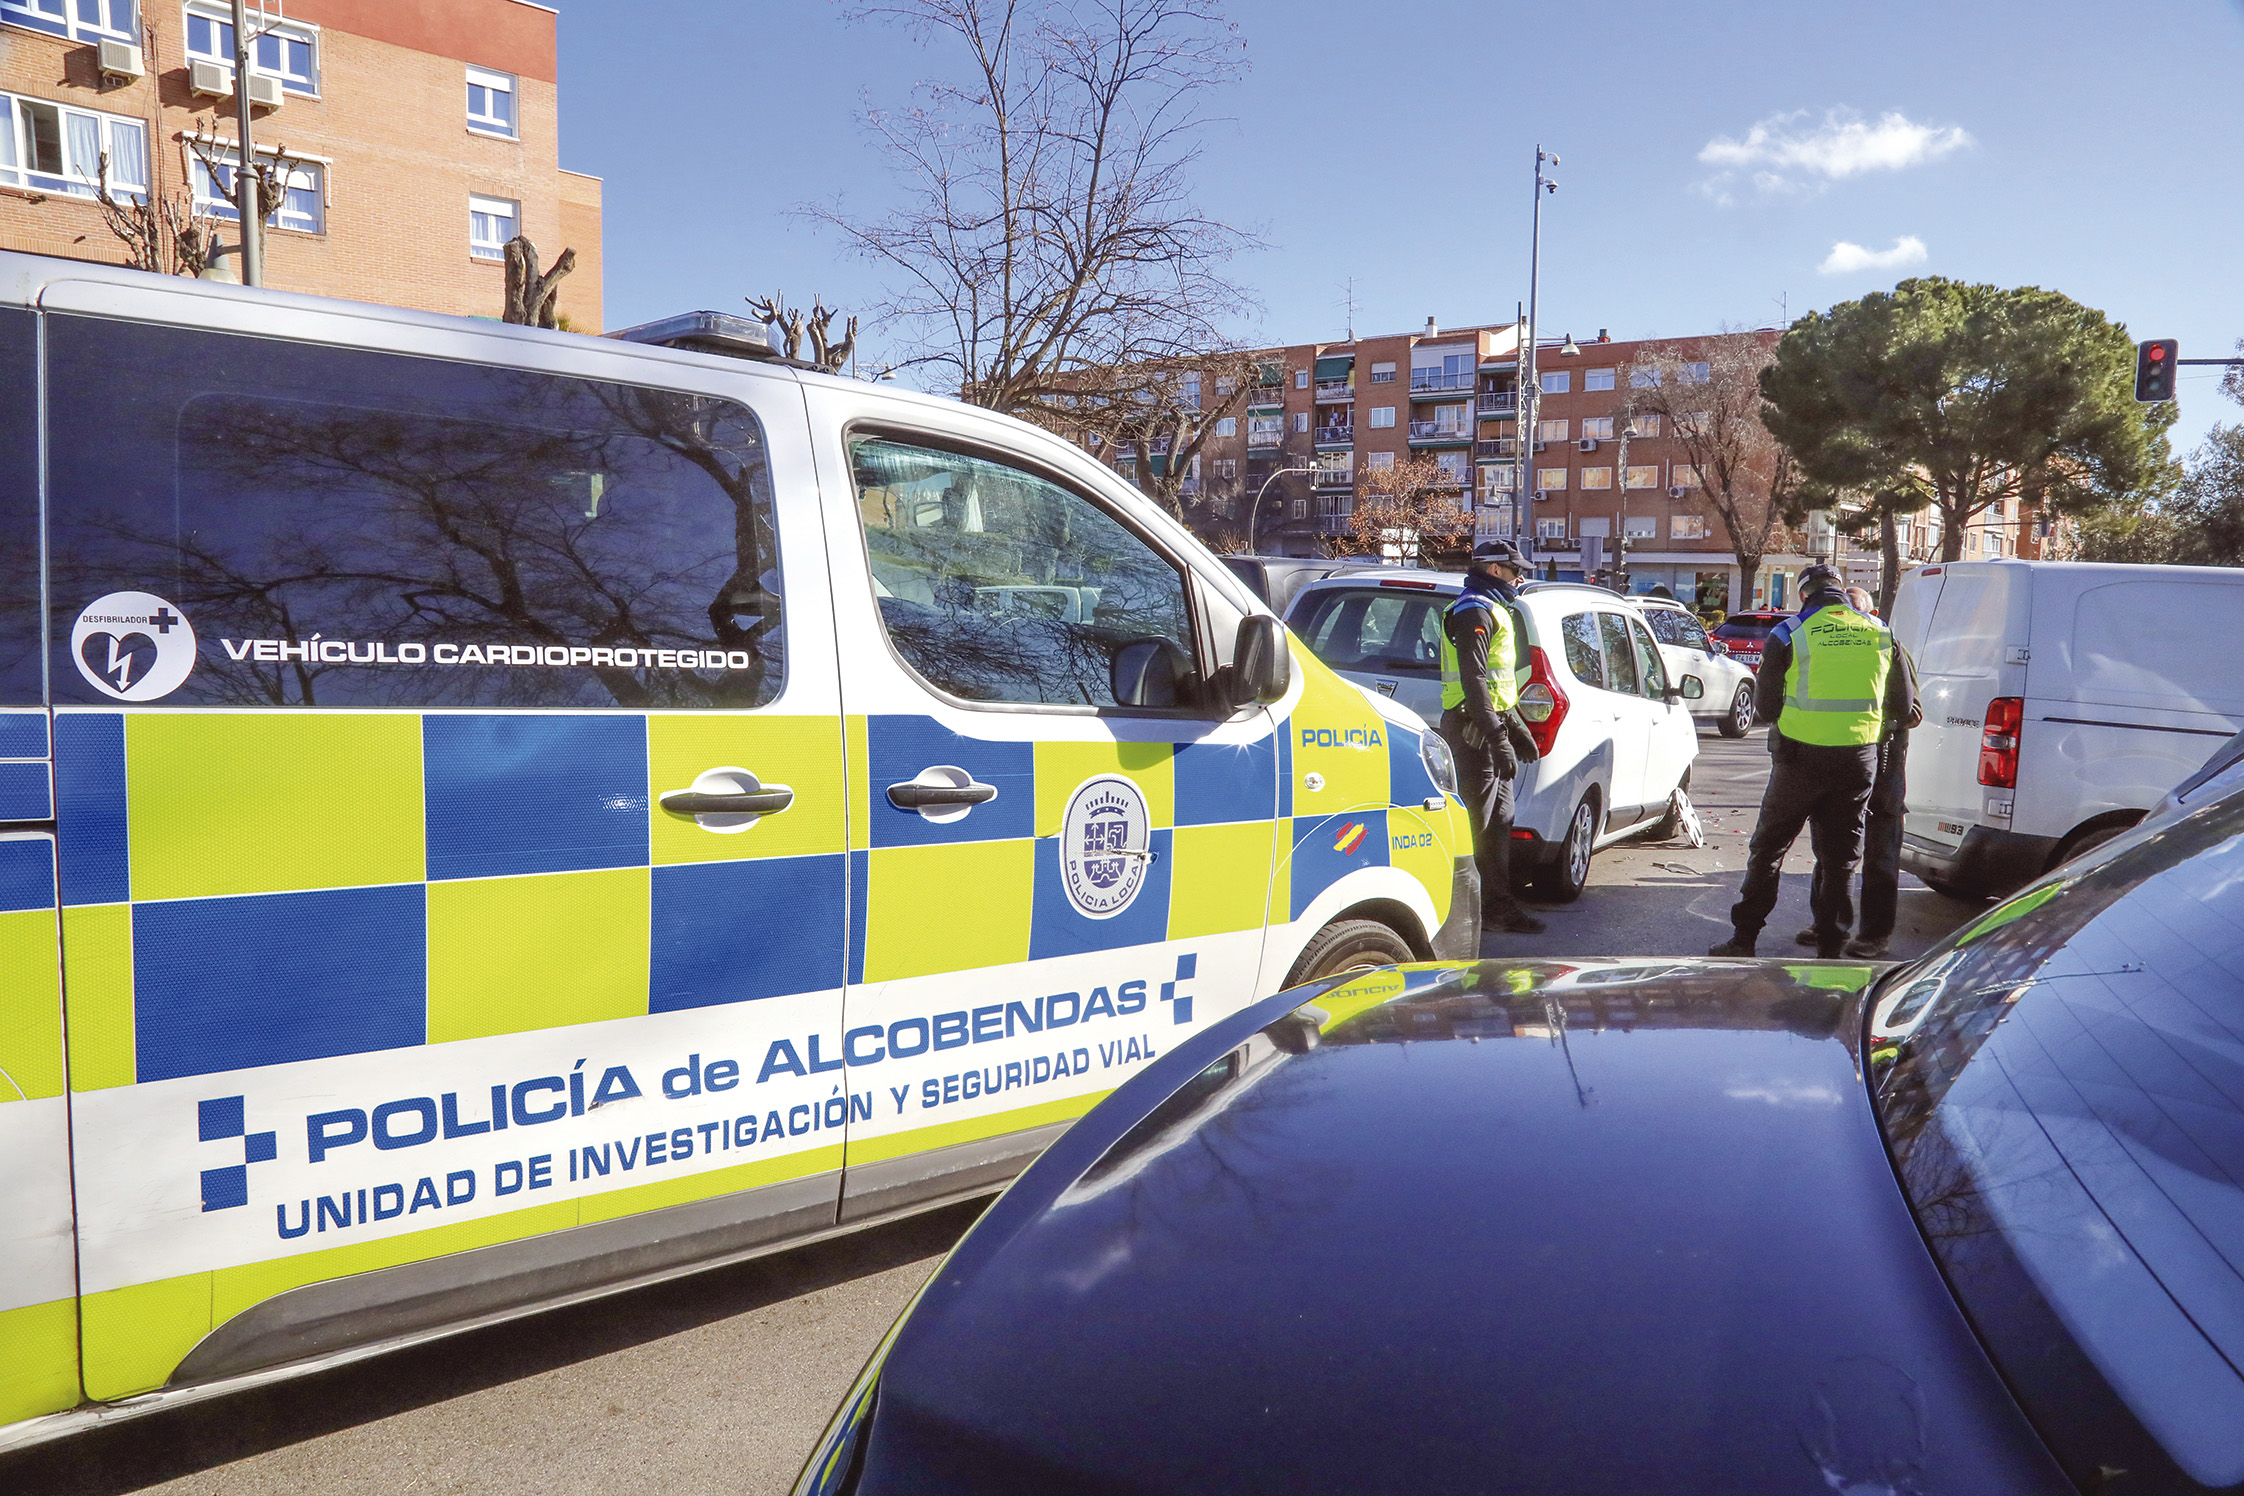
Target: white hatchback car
<point>1610,715</point>
<point>1727,705</point>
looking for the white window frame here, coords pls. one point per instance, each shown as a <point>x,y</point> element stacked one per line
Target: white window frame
<point>1701,372</point>
<point>1600,427</point>
<point>1642,475</point>
<point>1550,529</point>
<point>1379,462</point>
<point>1552,431</point>
<point>60,18</point>
<point>1550,480</point>
<point>300,32</point>
<point>492,81</point>
<point>1501,476</point>
<point>1597,379</point>
<point>77,178</point>
<point>1383,373</point>
<point>1597,477</point>
<point>1640,527</point>
<point>1382,417</point>
<point>1688,527</point>
<point>1683,475</point>
<point>1300,422</point>
<point>1301,379</point>
<point>488,207</point>
<point>1644,377</point>
<point>304,176</point>
<point>1557,383</point>
<point>1227,426</point>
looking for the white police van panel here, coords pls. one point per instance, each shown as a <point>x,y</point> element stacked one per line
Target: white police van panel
<point>528,814</point>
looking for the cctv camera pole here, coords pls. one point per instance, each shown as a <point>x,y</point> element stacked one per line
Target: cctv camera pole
<point>245,179</point>
<point>1530,404</point>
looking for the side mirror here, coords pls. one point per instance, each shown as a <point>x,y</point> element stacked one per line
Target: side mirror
<point>1148,672</point>
<point>1693,688</point>
<point>1261,661</point>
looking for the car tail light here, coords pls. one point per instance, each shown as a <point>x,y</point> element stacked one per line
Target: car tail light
<point>1542,702</point>
<point>1998,744</point>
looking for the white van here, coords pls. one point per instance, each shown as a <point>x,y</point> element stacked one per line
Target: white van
<point>503,815</point>
<point>2061,700</point>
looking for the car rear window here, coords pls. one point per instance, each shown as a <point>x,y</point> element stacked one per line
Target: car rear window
<point>1386,631</point>
<point>1745,628</point>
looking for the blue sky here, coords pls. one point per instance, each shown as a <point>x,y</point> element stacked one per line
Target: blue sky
<point>2086,147</point>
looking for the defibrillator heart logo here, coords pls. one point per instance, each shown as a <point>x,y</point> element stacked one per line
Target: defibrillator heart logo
<point>133,646</point>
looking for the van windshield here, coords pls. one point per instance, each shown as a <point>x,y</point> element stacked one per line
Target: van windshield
<point>1381,630</point>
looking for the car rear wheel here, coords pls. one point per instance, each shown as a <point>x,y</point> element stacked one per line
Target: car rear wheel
<point>1740,720</point>
<point>1562,882</point>
<point>1348,945</point>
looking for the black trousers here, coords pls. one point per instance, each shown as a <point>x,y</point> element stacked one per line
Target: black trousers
<point>1488,798</point>
<point>1881,839</point>
<point>1826,790</point>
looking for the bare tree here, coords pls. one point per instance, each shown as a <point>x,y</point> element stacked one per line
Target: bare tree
<point>1415,511</point>
<point>1159,415</point>
<point>774,312</point>
<point>530,296</point>
<point>1048,226</point>
<point>1710,402</point>
<point>269,170</point>
<point>163,232</point>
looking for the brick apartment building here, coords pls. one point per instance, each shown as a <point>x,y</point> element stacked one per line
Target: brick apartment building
<point>1453,395</point>
<point>427,132</point>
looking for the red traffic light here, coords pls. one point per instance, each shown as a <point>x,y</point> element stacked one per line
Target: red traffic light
<point>2154,370</point>
<point>2156,352</point>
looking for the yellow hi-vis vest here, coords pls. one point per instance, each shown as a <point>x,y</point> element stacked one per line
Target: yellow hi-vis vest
<point>1835,689</point>
<point>1503,684</point>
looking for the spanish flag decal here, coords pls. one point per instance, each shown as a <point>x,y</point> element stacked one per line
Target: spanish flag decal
<point>1351,837</point>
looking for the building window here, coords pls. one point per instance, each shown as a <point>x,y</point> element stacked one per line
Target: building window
<point>1597,477</point>
<point>47,148</point>
<point>1647,425</point>
<point>1600,427</point>
<point>1551,431</point>
<point>1597,379</point>
<point>1699,373</point>
<point>1550,529</point>
<point>1300,509</point>
<point>302,206</point>
<point>1094,441</point>
<point>1640,526</point>
<point>1225,387</point>
<point>1379,462</point>
<point>1688,527</point>
<point>491,102</point>
<point>1644,379</point>
<point>1454,467</point>
<point>1226,468</point>
<point>1557,384</point>
<point>1383,416</point>
<point>1598,528</point>
<point>1452,420</point>
<point>1501,477</point>
<point>1647,476</point>
<point>1188,391</point>
<point>1301,420</point>
<point>1383,373</point>
<point>1227,426</point>
<point>1266,431</point>
<point>86,20</point>
<point>490,224</point>
<point>288,53</point>
<point>1550,479</point>
<point>1683,475</point>
<point>1301,379</point>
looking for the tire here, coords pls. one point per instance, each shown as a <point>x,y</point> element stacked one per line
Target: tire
<point>1739,722</point>
<point>1672,822</point>
<point>1562,881</point>
<point>1349,945</point>
<point>2094,836</point>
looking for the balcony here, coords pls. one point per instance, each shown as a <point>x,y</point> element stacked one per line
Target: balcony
<point>1491,406</point>
<point>1438,434</point>
<point>1330,390</point>
<point>1557,543</point>
<point>1433,382</point>
<point>1335,477</point>
<point>1335,505</point>
<point>1336,436</point>
<point>1500,449</point>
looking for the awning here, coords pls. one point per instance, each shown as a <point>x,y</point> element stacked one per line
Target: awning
<point>1335,368</point>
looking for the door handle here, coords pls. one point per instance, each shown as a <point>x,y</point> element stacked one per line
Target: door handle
<point>726,800</point>
<point>941,793</point>
<point>752,803</point>
<point>914,795</point>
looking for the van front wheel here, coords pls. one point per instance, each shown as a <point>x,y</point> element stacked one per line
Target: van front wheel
<point>1348,945</point>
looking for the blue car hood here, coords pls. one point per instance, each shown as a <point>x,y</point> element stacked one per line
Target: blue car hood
<point>1610,1227</point>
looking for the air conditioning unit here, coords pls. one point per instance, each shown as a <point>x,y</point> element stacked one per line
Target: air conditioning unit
<point>1586,444</point>
<point>211,79</point>
<point>122,60</point>
<point>1676,491</point>
<point>265,90</point>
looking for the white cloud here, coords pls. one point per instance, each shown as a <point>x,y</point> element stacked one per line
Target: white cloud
<point>1786,153</point>
<point>1849,259</point>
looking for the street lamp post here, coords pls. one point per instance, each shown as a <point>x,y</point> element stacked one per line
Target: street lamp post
<point>1530,404</point>
<point>1620,516</point>
<point>1255,513</point>
<point>245,175</point>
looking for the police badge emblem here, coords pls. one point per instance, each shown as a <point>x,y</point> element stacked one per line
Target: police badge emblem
<point>1106,843</point>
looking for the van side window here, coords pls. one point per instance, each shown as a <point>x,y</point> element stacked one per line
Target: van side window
<point>347,528</point>
<point>1000,586</point>
<point>19,510</point>
<point>1651,674</point>
<point>1583,655</point>
<point>1620,658</point>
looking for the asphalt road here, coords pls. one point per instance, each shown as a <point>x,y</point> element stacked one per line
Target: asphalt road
<point>719,1383</point>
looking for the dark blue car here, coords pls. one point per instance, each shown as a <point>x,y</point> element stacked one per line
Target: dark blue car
<point>1976,1226</point>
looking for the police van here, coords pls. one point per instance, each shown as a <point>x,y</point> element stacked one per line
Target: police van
<point>797,797</point>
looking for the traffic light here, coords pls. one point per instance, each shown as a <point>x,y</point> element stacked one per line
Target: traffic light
<point>2154,369</point>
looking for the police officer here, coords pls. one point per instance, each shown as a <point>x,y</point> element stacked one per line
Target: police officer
<point>1478,692</point>
<point>1881,831</point>
<point>1828,684</point>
